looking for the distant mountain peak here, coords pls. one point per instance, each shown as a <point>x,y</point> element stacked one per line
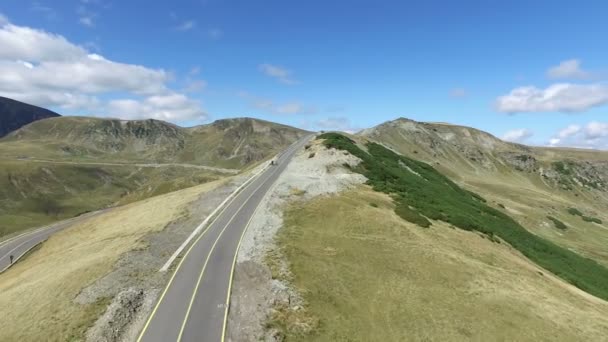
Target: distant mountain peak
<point>15,114</point>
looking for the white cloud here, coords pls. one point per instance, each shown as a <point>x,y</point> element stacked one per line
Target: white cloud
<point>48,12</point>
<point>284,108</point>
<point>561,97</point>
<point>194,86</point>
<point>26,64</point>
<point>85,16</point>
<point>336,124</point>
<point>290,108</point>
<point>29,44</point>
<point>279,73</point>
<point>269,106</point>
<point>46,69</point>
<point>570,69</point>
<point>87,21</point>
<point>3,20</point>
<point>186,25</point>
<point>569,131</point>
<point>89,73</point>
<point>458,93</point>
<point>170,107</point>
<point>592,135</point>
<point>596,130</point>
<point>517,135</point>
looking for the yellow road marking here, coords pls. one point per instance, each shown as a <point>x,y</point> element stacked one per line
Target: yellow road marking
<point>201,275</point>
<point>180,265</point>
<point>227,304</point>
<point>186,255</point>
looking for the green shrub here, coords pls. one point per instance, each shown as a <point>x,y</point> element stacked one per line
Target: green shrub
<point>434,196</point>
<point>558,224</point>
<point>592,219</point>
<point>562,168</point>
<point>576,212</point>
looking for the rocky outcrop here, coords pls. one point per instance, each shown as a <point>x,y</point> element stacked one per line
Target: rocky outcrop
<point>521,161</point>
<point>467,150</point>
<point>228,143</point>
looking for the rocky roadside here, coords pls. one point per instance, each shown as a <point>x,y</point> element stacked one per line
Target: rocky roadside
<point>135,282</point>
<point>314,171</point>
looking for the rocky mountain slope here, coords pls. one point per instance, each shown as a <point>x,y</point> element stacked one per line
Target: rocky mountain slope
<point>410,256</point>
<point>60,167</point>
<point>15,114</point>
<point>530,183</point>
<point>230,143</point>
<point>465,149</point>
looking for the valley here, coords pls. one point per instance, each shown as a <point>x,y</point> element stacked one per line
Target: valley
<point>303,171</point>
<point>61,167</point>
<point>387,233</point>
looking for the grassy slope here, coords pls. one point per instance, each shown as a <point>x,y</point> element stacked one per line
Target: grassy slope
<point>526,196</point>
<point>34,194</point>
<point>37,294</point>
<point>422,188</point>
<point>230,143</point>
<point>368,275</point>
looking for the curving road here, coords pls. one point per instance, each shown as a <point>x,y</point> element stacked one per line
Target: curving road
<point>19,245</point>
<point>194,305</point>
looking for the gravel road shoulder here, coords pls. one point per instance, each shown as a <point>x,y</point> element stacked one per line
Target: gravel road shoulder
<point>135,282</point>
<point>314,171</point>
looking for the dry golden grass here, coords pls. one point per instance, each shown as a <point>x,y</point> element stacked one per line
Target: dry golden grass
<point>530,202</point>
<point>528,198</point>
<point>36,295</point>
<point>368,275</point>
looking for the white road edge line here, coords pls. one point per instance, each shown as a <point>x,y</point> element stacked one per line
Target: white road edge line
<point>7,241</point>
<point>49,226</point>
<point>200,227</point>
<point>20,256</point>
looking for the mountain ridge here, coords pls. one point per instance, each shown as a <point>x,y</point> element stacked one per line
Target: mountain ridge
<point>228,143</point>
<point>15,114</point>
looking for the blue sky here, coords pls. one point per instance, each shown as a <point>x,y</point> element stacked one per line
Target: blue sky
<point>530,71</point>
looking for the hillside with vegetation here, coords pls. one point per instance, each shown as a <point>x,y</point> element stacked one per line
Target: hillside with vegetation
<point>422,194</point>
<point>227,143</point>
<point>528,183</point>
<point>415,256</point>
<point>60,167</point>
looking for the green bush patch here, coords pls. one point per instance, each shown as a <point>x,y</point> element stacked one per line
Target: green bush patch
<point>576,212</point>
<point>429,194</point>
<point>558,224</point>
<point>592,219</point>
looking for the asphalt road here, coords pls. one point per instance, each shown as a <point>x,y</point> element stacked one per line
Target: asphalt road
<point>19,245</point>
<point>194,305</point>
